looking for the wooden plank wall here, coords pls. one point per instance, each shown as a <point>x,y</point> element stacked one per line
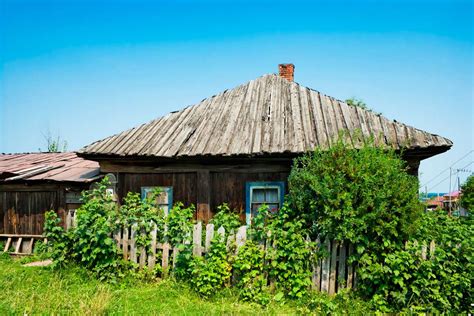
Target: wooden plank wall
<point>22,212</point>
<point>229,187</point>
<point>205,189</point>
<point>184,184</point>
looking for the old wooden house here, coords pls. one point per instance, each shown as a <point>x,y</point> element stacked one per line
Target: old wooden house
<point>237,146</point>
<point>33,183</point>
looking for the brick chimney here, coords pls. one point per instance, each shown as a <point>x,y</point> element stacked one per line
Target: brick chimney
<point>287,71</point>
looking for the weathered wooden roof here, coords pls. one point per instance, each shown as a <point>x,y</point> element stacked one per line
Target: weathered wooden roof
<point>61,167</point>
<point>268,115</point>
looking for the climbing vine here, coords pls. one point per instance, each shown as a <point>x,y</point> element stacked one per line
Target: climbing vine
<point>227,218</point>
<point>144,215</point>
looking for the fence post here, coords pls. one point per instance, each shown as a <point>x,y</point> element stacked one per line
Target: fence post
<point>230,239</point>
<point>117,237</point>
<point>209,236</point>
<point>332,275</point>
<point>432,248</point>
<point>142,257</point>
<point>165,257</point>
<point>221,232</point>
<point>423,251</point>
<point>342,266</point>
<point>197,239</point>
<point>241,237</point>
<point>315,270</point>
<point>68,220</point>
<point>133,246</point>
<point>350,269</point>
<point>125,242</point>
<point>152,255</point>
<point>325,268</point>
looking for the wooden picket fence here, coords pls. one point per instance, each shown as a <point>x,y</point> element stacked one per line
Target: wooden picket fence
<point>330,274</point>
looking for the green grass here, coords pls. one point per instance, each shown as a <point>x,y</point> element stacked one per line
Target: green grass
<point>43,291</point>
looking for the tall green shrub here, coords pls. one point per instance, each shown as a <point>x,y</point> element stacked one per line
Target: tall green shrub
<point>467,198</point>
<point>364,196</point>
<point>94,246</point>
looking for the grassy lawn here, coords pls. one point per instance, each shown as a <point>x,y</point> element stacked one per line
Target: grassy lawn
<point>40,290</point>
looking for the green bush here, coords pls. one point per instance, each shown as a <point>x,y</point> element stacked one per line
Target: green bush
<point>251,273</point>
<point>145,215</point>
<point>180,224</point>
<point>60,243</point>
<point>226,218</point>
<point>366,197</point>
<point>441,283</point>
<point>213,271</point>
<point>467,198</point>
<point>93,245</point>
<point>286,262</point>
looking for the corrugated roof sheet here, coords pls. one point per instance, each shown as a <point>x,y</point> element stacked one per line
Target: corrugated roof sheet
<point>47,166</point>
<point>266,115</point>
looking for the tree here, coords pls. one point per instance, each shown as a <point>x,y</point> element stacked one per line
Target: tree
<point>467,197</point>
<point>54,144</point>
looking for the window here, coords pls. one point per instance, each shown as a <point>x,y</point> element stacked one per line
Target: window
<point>259,193</point>
<point>164,199</point>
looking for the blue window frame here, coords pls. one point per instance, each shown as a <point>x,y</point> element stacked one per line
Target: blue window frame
<point>164,200</point>
<point>259,193</point>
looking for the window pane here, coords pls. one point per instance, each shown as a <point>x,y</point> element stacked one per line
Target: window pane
<point>162,198</point>
<point>272,196</point>
<point>258,195</point>
<point>273,207</point>
<point>254,209</point>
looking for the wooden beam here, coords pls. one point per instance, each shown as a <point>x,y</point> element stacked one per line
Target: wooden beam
<point>20,236</point>
<point>106,167</point>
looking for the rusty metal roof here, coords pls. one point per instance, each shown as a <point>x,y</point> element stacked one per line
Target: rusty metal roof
<point>268,115</point>
<point>61,167</point>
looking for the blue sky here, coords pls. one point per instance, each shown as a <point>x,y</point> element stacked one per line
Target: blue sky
<point>88,69</point>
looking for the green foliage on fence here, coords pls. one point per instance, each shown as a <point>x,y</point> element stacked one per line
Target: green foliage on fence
<point>144,214</point>
<point>226,218</point>
<point>180,224</point>
<point>442,282</point>
<point>212,272</point>
<point>281,270</point>
<point>93,245</point>
<point>251,273</point>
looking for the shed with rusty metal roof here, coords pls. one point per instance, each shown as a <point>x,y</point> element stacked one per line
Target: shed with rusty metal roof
<point>33,183</point>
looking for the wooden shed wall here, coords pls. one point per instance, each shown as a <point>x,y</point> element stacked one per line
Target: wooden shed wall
<point>22,212</point>
<point>184,184</point>
<point>22,207</point>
